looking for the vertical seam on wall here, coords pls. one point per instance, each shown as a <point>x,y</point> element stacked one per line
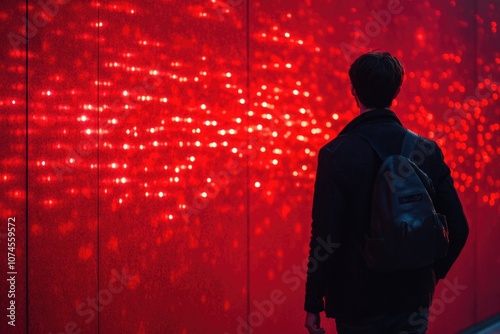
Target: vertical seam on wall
<point>98,162</point>
<point>476,81</point>
<point>26,177</point>
<point>248,159</point>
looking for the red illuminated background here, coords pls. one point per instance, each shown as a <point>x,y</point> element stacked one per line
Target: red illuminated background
<point>175,143</point>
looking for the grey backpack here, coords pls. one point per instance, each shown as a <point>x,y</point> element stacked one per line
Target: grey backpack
<point>405,231</point>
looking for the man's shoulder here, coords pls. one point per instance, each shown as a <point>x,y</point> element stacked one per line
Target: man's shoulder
<point>341,143</point>
<point>427,147</point>
<point>347,151</point>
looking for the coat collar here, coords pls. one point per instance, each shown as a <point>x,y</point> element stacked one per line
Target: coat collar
<point>372,116</point>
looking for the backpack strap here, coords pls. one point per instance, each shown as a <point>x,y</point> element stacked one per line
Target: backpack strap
<point>409,143</point>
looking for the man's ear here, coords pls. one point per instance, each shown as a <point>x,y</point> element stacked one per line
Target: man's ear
<point>353,92</point>
<point>397,92</point>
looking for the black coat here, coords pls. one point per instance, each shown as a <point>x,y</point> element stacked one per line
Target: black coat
<point>338,275</point>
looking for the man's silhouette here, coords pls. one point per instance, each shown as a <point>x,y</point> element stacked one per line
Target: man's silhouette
<point>363,300</point>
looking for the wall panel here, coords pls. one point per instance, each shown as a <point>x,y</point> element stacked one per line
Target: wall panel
<point>486,159</point>
<point>173,210</point>
<point>13,168</point>
<point>62,178</point>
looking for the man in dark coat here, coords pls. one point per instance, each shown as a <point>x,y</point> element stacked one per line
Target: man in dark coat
<point>338,280</point>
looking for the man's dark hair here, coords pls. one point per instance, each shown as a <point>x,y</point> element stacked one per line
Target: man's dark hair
<point>376,77</point>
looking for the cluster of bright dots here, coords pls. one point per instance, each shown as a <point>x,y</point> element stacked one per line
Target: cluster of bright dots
<point>282,112</point>
<point>280,115</point>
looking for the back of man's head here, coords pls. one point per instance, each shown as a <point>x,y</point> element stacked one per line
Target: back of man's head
<point>376,78</point>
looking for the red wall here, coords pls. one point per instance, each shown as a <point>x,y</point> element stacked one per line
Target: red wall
<point>136,175</point>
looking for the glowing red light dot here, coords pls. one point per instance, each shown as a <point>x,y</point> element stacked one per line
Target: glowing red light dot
<point>36,229</point>
<point>85,253</point>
